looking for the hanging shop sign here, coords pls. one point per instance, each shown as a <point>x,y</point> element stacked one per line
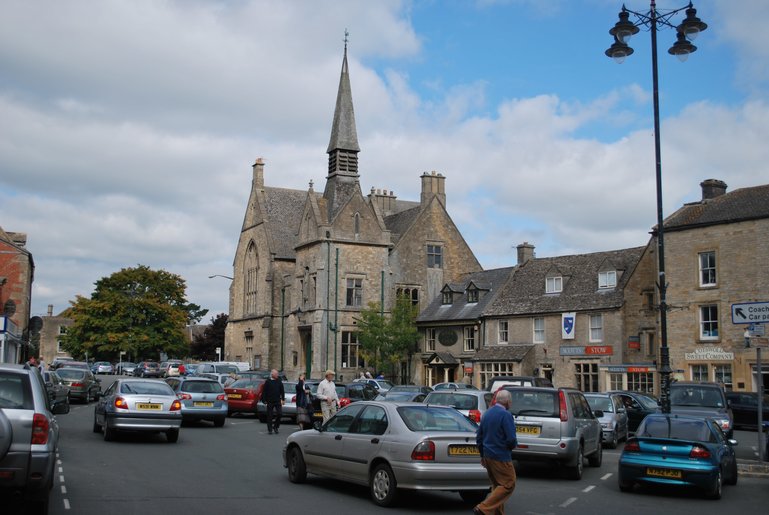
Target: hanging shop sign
<point>634,342</point>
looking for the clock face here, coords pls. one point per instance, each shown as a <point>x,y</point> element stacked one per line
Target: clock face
<point>447,337</point>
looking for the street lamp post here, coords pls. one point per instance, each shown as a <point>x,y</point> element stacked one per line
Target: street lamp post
<point>687,31</point>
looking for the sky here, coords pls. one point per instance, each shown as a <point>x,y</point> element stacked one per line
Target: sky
<point>128,127</point>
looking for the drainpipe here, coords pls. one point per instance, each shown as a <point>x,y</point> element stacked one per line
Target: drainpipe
<point>336,306</point>
<point>282,326</point>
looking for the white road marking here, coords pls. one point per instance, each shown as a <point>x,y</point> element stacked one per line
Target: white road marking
<point>63,489</point>
<point>568,502</point>
<point>61,479</point>
<point>586,490</point>
<point>66,504</point>
<point>606,476</point>
<point>61,470</point>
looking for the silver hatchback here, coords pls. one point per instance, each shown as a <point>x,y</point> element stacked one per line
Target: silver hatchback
<point>471,403</point>
<point>614,422</point>
<point>201,398</point>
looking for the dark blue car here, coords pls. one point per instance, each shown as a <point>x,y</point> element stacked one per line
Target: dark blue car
<point>679,450</point>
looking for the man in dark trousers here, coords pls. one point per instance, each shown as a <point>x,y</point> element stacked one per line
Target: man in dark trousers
<point>273,396</point>
<point>495,439</point>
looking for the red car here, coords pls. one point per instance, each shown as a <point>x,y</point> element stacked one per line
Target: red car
<point>244,395</point>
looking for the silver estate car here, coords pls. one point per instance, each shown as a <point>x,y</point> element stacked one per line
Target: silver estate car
<point>201,398</point>
<point>614,422</point>
<point>138,405</point>
<point>389,446</point>
<point>556,424</point>
<point>471,403</point>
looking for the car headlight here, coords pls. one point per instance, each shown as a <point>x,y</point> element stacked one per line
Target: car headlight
<point>724,423</point>
<point>606,425</point>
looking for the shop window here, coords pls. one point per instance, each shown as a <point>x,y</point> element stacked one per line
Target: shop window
<point>723,375</point>
<point>489,370</point>
<point>616,381</point>
<point>587,376</point>
<point>699,372</point>
<point>640,382</point>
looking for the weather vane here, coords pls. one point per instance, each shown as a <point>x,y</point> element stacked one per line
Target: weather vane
<point>346,38</point>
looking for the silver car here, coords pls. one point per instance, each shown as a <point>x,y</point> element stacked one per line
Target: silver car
<point>471,403</point>
<point>201,398</point>
<point>138,405</point>
<point>288,410</point>
<point>389,446</point>
<point>614,422</point>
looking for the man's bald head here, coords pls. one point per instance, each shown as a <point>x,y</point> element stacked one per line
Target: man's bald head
<point>504,398</point>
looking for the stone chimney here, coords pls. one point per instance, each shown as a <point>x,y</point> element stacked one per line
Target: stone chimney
<point>525,252</point>
<point>385,200</point>
<point>259,173</point>
<point>712,188</point>
<point>50,310</point>
<point>433,185</point>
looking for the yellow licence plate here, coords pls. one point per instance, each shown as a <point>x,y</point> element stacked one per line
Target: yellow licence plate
<point>666,473</point>
<point>463,450</point>
<point>149,406</point>
<point>203,404</point>
<point>234,396</point>
<point>528,430</point>
<point>318,414</point>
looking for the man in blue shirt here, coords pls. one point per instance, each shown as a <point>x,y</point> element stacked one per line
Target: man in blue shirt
<point>495,439</point>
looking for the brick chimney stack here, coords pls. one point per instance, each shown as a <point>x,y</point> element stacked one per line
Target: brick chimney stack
<point>433,185</point>
<point>259,173</point>
<point>712,188</point>
<point>50,310</point>
<point>525,252</point>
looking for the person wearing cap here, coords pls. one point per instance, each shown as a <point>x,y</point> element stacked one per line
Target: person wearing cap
<point>327,396</point>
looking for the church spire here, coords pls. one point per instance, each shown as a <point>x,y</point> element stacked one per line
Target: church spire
<point>343,146</point>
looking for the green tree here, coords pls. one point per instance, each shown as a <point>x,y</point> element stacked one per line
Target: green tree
<point>386,340</point>
<point>204,345</point>
<point>138,310</point>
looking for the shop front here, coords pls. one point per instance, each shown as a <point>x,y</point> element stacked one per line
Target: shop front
<point>711,364</point>
<point>634,377</point>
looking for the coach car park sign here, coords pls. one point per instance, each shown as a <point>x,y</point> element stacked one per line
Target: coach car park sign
<point>750,313</point>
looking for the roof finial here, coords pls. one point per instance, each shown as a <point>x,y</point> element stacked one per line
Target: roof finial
<point>346,39</point>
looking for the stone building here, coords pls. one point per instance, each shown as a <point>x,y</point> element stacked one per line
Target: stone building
<point>716,261</point>
<point>17,271</point>
<point>308,262</point>
<point>54,328</point>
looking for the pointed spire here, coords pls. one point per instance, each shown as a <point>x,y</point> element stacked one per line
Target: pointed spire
<point>343,145</point>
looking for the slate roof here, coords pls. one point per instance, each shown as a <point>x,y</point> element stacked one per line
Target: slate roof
<point>399,223</point>
<point>460,309</point>
<point>446,357</point>
<point>736,206</point>
<point>512,352</point>
<point>284,214</point>
<point>525,293</point>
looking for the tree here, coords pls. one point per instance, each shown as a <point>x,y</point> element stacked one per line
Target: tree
<point>138,310</point>
<point>388,340</point>
<point>204,345</point>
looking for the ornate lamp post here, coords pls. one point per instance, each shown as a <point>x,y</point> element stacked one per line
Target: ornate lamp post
<point>687,31</point>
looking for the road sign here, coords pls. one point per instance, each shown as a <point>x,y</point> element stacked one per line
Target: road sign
<point>756,330</point>
<point>750,313</point>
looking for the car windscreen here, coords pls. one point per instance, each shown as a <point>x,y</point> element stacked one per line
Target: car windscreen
<point>146,388</point>
<point>226,369</point>
<point>247,383</point>
<point>70,374</point>
<point>647,402</point>
<point>457,400</point>
<point>434,418</point>
<point>15,391</point>
<point>385,384</point>
<point>535,403</point>
<point>397,396</point>
<point>679,429</point>
<point>202,387</point>
<point>696,396</point>
<point>600,403</point>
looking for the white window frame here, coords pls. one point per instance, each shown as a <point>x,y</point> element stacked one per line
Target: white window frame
<point>607,280</point>
<point>537,331</point>
<point>709,322</point>
<point>721,373</point>
<point>554,284</point>
<point>700,367</point>
<point>504,331</point>
<point>431,336</point>
<point>705,269</point>
<point>596,328</point>
<point>469,339</point>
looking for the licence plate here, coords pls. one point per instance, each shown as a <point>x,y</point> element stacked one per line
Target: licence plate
<point>463,450</point>
<point>318,414</point>
<point>666,473</point>
<point>528,430</point>
<point>234,396</point>
<point>149,406</point>
<point>203,404</point>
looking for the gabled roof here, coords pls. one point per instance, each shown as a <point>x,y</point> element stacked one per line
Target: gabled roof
<point>525,293</point>
<point>284,214</point>
<point>460,309</point>
<point>737,206</point>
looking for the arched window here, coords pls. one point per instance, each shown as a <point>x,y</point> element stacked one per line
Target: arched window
<point>251,268</point>
<point>356,222</point>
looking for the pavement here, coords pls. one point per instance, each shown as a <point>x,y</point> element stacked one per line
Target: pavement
<point>753,468</point>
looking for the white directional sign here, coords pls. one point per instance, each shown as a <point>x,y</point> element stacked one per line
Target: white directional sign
<point>750,313</point>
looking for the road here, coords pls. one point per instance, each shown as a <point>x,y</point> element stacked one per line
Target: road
<point>238,469</point>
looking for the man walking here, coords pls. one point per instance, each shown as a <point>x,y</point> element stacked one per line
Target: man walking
<point>495,439</point>
<point>327,395</point>
<point>273,395</point>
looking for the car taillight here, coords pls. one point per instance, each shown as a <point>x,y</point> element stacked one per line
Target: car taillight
<point>221,397</point>
<point>293,399</point>
<point>562,410</point>
<point>176,405</point>
<point>40,427</point>
<point>250,394</point>
<point>475,416</point>
<point>699,452</point>
<point>344,401</point>
<point>121,403</point>
<point>424,451</point>
<point>632,446</point>
<point>183,396</point>
<point>78,385</point>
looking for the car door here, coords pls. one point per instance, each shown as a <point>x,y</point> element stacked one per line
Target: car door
<point>101,404</point>
<point>363,443</point>
<point>635,412</point>
<point>621,414</point>
<point>323,452</point>
<point>587,425</point>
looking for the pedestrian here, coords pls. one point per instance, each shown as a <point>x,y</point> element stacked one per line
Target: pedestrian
<point>32,362</point>
<point>231,378</point>
<point>362,375</point>
<point>380,375</point>
<point>303,406</point>
<point>273,395</point>
<point>41,365</point>
<point>329,400</point>
<point>467,379</point>
<point>368,375</point>
<point>182,369</point>
<point>496,438</point>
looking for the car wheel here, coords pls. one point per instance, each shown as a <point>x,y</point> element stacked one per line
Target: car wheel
<point>575,471</point>
<point>596,458</point>
<point>384,487</point>
<point>172,435</point>
<point>473,496</point>
<point>88,396</point>
<point>96,426</point>
<point>109,433</point>
<point>219,422</point>
<point>734,474</point>
<point>625,486</point>
<point>715,491</point>
<point>297,469</point>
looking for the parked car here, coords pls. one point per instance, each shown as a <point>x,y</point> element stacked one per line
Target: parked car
<point>702,400</point>
<point>382,385</point>
<point>556,424</point>
<point>289,405</point>
<point>138,405</point>
<point>83,385</point>
<point>75,364</point>
<point>745,408</point>
<point>147,369</point>
<point>58,392</point>
<point>29,437</point>
<point>60,362</point>
<point>172,370</point>
<point>216,368</point>
<point>496,382</point>
<point>614,420</point>
<point>453,386</point>
<point>191,368</point>
<point>347,393</point>
<point>401,396</point>
<point>243,395</point>
<point>411,388</point>
<point>471,403</point>
<point>637,406</point>
<point>679,450</point>
<point>125,368</point>
<point>202,399</point>
<point>391,446</point>
<point>102,367</point>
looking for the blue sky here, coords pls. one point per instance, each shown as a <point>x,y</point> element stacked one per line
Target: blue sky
<point>129,127</point>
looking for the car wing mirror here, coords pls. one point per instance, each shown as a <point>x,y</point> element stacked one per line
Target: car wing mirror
<point>318,425</point>
<point>732,442</point>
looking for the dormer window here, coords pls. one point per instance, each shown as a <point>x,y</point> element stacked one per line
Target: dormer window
<point>607,279</point>
<point>472,295</point>
<point>446,298</point>
<point>554,284</point>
